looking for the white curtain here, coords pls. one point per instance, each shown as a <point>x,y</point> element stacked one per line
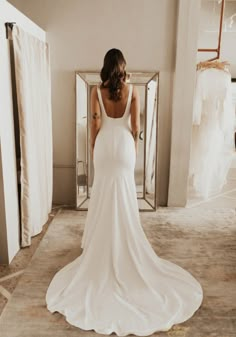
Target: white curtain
<point>33,83</point>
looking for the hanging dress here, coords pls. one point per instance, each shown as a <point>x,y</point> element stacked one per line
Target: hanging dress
<point>212,146</point>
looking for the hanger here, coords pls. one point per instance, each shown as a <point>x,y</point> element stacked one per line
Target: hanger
<point>216,63</point>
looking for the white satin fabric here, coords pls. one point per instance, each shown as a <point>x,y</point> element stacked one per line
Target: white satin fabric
<point>118,284</point>
<point>212,147</point>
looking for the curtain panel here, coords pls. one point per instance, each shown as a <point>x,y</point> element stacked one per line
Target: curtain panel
<point>33,84</point>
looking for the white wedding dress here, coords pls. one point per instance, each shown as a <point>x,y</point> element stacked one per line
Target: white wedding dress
<point>118,284</point>
<point>212,145</point>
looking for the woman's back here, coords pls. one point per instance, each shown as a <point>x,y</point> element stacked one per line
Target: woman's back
<point>114,150</point>
<point>115,109</point>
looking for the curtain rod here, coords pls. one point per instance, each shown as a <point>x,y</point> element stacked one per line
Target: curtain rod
<point>9,25</point>
<point>217,50</point>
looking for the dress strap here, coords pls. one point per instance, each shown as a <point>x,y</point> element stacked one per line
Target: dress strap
<point>129,99</point>
<point>100,100</point>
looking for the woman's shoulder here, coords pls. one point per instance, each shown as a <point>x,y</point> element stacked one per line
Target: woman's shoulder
<point>94,93</point>
<point>134,88</point>
<point>135,93</point>
<point>98,87</point>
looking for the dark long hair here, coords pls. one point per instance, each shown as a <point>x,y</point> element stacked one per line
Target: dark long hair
<point>113,70</point>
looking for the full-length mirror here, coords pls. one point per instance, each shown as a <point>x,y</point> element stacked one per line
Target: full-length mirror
<point>146,161</point>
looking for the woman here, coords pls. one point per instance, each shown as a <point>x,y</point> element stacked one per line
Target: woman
<point>118,284</point>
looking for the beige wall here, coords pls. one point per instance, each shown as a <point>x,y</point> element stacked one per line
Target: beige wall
<point>183,92</point>
<point>80,32</point>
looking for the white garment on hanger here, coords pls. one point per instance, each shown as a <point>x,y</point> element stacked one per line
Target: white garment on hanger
<point>212,146</point>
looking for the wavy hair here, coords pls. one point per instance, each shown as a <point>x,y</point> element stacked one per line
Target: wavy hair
<point>113,70</point>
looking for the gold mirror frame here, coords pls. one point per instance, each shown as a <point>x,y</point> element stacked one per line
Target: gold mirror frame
<point>85,80</point>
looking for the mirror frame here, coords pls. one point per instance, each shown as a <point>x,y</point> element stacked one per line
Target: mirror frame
<point>152,75</point>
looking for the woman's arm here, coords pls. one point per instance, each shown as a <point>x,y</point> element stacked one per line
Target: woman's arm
<point>135,116</point>
<point>95,117</point>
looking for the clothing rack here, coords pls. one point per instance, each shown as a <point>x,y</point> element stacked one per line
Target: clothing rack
<point>9,26</point>
<point>217,50</point>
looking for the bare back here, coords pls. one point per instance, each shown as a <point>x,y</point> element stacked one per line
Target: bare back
<point>115,109</point>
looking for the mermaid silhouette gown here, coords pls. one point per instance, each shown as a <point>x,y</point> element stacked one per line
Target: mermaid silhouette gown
<point>118,284</point>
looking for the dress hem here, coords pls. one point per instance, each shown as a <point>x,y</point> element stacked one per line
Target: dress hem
<point>106,331</point>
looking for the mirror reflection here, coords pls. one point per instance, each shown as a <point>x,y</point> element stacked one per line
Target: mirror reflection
<point>146,161</point>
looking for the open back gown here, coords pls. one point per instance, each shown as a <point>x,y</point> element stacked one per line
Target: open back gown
<point>118,284</point>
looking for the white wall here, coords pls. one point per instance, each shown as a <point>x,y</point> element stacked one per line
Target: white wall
<point>9,218</point>
<point>184,85</point>
<point>80,32</point>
